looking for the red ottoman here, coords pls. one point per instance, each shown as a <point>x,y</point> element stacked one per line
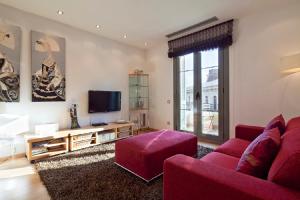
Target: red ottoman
<point>144,155</point>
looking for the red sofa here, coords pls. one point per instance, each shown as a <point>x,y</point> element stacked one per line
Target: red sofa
<point>214,176</point>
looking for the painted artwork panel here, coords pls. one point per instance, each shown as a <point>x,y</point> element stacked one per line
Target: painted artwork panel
<point>10,53</point>
<point>48,67</point>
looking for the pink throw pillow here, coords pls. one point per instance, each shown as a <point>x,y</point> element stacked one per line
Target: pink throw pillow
<point>278,122</point>
<point>259,155</point>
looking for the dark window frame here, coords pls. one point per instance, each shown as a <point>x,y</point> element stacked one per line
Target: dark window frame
<point>223,104</point>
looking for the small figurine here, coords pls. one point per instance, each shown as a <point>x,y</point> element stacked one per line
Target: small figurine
<point>73,114</point>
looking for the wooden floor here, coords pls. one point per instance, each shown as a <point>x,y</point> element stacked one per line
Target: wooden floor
<point>19,180</point>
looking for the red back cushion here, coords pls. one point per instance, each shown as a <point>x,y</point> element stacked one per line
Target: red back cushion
<point>293,123</point>
<point>285,169</point>
<point>259,155</point>
<point>278,122</point>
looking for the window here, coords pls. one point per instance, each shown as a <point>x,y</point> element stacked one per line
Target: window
<point>201,94</point>
<point>186,92</point>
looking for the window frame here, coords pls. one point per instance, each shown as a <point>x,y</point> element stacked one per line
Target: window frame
<point>223,102</point>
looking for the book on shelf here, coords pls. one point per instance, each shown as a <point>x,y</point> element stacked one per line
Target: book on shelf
<point>56,148</point>
<point>47,143</point>
<point>39,144</point>
<point>39,151</point>
<point>106,137</point>
<point>59,140</point>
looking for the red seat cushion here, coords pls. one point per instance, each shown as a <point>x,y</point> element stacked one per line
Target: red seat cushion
<point>285,169</point>
<point>144,154</point>
<point>222,160</point>
<point>233,147</point>
<point>277,122</point>
<point>259,155</point>
<point>293,123</point>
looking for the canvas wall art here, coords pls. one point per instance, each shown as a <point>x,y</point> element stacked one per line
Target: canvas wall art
<point>10,51</point>
<point>48,67</point>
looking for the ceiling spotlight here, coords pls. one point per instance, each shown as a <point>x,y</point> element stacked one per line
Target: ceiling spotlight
<point>60,12</point>
<point>98,26</point>
<point>125,36</point>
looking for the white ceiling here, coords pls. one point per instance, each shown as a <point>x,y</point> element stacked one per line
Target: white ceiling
<point>141,20</point>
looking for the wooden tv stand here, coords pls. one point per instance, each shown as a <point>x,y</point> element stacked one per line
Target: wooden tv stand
<point>91,135</point>
<point>74,139</point>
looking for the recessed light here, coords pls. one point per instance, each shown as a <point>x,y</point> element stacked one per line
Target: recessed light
<point>60,12</point>
<point>98,26</point>
<point>125,36</point>
<point>146,44</point>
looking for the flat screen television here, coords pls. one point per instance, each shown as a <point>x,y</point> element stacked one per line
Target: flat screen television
<point>104,101</point>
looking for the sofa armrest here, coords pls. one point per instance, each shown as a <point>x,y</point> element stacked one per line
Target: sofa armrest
<point>247,132</point>
<point>193,179</point>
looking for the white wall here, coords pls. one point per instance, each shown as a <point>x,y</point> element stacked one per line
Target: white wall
<point>258,91</point>
<point>160,69</point>
<point>92,63</point>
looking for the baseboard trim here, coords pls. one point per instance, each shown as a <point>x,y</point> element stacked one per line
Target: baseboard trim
<point>5,158</point>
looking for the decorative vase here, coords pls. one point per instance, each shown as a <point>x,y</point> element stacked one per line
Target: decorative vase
<point>73,114</point>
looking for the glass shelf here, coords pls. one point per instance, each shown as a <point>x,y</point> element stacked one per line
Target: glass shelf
<point>139,100</point>
<point>138,97</point>
<point>138,85</point>
<point>138,91</point>
<point>140,80</point>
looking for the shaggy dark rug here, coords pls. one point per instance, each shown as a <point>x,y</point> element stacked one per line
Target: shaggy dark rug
<point>91,174</point>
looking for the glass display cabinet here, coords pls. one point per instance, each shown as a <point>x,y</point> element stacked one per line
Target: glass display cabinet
<point>139,100</point>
